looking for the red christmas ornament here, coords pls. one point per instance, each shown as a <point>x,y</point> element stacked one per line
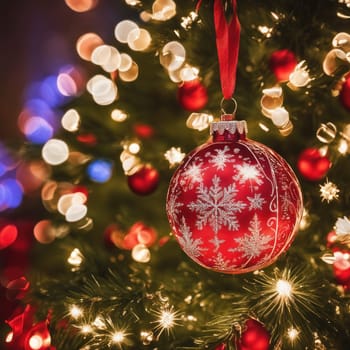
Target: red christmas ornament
<point>192,95</point>
<point>312,165</point>
<point>143,131</point>
<point>345,92</point>
<point>234,204</point>
<point>254,337</point>
<point>282,63</point>
<point>144,181</point>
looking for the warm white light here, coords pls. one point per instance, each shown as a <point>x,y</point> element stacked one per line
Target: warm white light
<point>173,55</point>
<point>131,74</point>
<point>139,39</point>
<point>118,337</point>
<point>36,342</point>
<point>300,76</point>
<point>99,323</point>
<point>71,120</point>
<point>326,132</point>
<point>55,152</point>
<point>284,289</point>
<point>69,199</point>
<point>293,334</point>
<point>75,257</point>
<point>266,31</point>
<point>86,44</point>
<point>329,191</point>
<point>343,146</point>
<point>189,73</point>
<point>76,212</point>
<point>118,115</point>
<point>102,89</point>
<point>125,62</point>
<point>9,337</point>
<point>186,22</point>
<point>141,253</point>
<point>264,127</point>
<point>106,56</point>
<point>174,155</point>
<point>75,311</point>
<point>122,30</point>
<point>86,328</point>
<point>162,10</point>
<point>199,121</point>
<point>280,116</point>
<point>305,220</point>
<point>134,148</point>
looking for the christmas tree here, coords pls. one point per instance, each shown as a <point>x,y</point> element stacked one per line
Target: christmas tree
<point>138,246</point>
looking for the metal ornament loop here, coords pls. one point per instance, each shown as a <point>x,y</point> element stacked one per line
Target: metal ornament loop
<point>224,104</point>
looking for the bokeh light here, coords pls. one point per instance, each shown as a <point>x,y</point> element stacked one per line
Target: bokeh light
<point>55,152</point>
<point>37,130</point>
<point>86,44</point>
<point>81,5</point>
<point>100,170</point>
<point>11,194</point>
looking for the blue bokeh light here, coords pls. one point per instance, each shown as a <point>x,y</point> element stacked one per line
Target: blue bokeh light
<point>38,130</point>
<point>100,170</point>
<point>11,194</point>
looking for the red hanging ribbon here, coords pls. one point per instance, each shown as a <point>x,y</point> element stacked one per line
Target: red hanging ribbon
<point>227,43</point>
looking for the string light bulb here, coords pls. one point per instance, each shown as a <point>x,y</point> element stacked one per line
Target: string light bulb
<point>284,289</point>
<point>75,258</point>
<point>293,334</point>
<point>167,319</point>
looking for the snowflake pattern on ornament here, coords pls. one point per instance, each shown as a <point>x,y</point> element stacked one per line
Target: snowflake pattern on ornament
<point>254,243</point>
<point>191,246</point>
<point>234,206</point>
<point>256,202</point>
<point>221,158</point>
<point>217,206</point>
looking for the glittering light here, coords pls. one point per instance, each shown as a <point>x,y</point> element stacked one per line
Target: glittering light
<point>329,191</point>
<point>75,312</point>
<point>55,152</point>
<point>86,329</point>
<point>118,115</point>
<point>99,323</point>
<point>106,56</point>
<point>36,342</point>
<point>186,22</point>
<point>146,337</point>
<point>130,163</point>
<point>293,334</point>
<point>167,319</point>
<point>189,73</point>
<point>284,292</point>
<point>280,117</point>
<point>75,258</point>
<point>284,289</point>
<point>266,31</point>
<point>125,62</point>
<point>118,337</point>
<point>264,127</point>
<point>100,170</point>
<point>174,156</point>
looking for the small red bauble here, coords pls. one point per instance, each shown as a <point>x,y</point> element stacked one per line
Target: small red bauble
<point>234,204</point>
<point>192,95</point>
<point>345,92</point>
<point>312,165</point>
<point>144,181</point>
<point>254,337</point>
<point>144,131</point>
<point>282,63</point>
